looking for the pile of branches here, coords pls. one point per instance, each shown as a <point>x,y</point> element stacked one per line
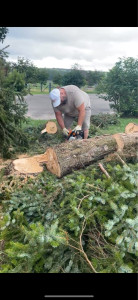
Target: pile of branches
<point>85,222</point>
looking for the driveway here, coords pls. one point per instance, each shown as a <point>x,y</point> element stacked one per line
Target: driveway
<point>39,106</point>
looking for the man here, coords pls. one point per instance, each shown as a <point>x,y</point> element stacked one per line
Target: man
<point>71,102</point>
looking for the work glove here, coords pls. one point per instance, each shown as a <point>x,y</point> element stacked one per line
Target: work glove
<point>78,127</point>
<point>65,131</point>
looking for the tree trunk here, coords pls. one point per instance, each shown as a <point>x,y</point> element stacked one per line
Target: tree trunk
<point>63,158</point>
<point>66,157</point>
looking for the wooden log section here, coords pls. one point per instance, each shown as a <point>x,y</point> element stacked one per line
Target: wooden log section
<point>66,157</point>
<point>30,165</point>
<point>127,147</point>
<point>51,128</point>
<point>127,144</point>
<point>63,158</point>
<point>131,128</point>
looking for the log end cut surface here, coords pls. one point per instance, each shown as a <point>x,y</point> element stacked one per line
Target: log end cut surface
<point>52,162</point>
<point>131,128</point>
<point>51,127</point>
<point>27,165</point>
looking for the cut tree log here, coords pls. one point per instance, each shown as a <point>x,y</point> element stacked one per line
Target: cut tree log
<point>127,144</point>
<point>131,128</point>
<point>30,165</point>
<point>50,128</point>
<point>63,158</point>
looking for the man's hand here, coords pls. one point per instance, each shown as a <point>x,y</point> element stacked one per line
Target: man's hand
<point>78,127</point>
<point>65,131</point>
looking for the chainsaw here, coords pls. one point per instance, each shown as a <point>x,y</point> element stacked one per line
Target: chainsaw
<point>75,135</point>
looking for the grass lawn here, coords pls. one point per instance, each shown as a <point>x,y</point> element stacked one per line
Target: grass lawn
<point>120,127</point>
<point>31,122</point>
<point>36,90</point>
<point>117,128</point>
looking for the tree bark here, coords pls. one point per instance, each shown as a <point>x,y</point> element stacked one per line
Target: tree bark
<point>66,157</point>
<point>63,158</point>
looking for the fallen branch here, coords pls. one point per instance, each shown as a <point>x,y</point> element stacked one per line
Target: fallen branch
<point>95,187</point>
<point>80,244</point>
<point>82,200</point>
<point>103,170</point>
<point>122,161</point>
<point>85,255</point>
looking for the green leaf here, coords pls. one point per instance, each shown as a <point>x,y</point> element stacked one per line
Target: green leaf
<point>127,194</point>
<point>54,244</point>
<point>125,269</point>
<point>22,255</point>
<point>119,239</point>
<point>99,199</point>
<point>136,246</point>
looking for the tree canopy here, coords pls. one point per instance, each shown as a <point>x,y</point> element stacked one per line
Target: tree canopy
<point>121,86</point>
<point>12,105</point>
<point>74,77</point>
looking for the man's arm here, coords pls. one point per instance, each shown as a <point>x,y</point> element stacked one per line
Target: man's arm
<point>60,120</point>
<point>81,116</point>
<point>61,123</point>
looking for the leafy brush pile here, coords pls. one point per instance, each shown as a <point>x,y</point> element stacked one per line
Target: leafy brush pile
<point>82,223</point>
<point>104,120</point>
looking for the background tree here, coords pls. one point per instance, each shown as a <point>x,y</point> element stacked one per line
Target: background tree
<point>3,53</point>
<point>93,77</point>
<point>12,106</point>
<point>26,67</point>
<point>74,77</point>
<point>57,78</point>
<point>121,86</point>
<point>42,76</point>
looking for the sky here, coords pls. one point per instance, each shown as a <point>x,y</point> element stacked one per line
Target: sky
<point>92,48</point>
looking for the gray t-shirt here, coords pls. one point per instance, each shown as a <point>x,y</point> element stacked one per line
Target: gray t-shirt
<point>75,97</point>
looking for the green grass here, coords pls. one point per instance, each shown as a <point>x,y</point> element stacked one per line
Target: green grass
<point>109,130</point>
<point>118,128</point>
<point>36,90</point>
<point>31,122</point>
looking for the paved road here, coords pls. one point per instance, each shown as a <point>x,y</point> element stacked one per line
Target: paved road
<point>39,106</point>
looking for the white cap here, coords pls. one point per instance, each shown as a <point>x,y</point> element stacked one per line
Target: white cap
<point>55,97</point>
